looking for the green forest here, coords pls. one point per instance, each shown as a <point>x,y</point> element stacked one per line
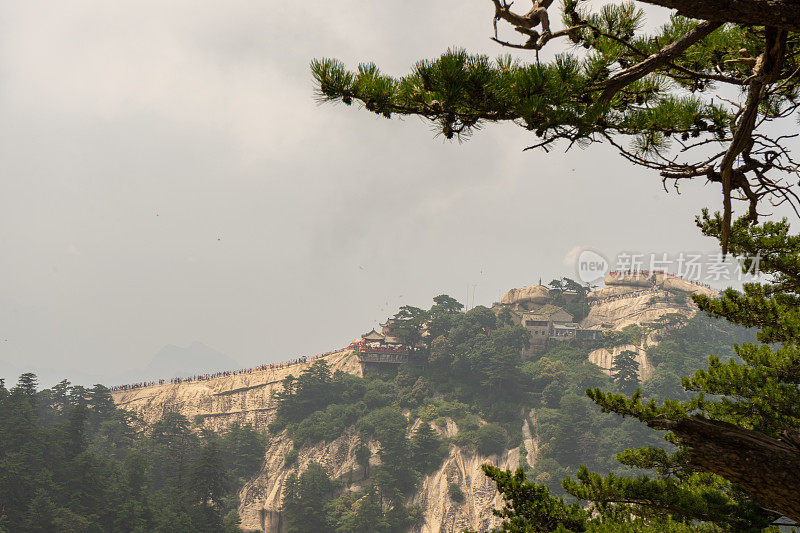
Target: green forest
<point>71,461</point>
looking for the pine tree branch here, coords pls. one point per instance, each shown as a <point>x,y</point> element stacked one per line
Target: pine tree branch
<point>567,99</point>
<point>660,59</point>
<point>525,24</point>
<point>693,74</point>
<point>767,67</point>
<point>536,41</point>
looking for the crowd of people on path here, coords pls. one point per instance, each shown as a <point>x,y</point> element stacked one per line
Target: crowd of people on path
<point>638,273</point>
<point>692,281</point>
<point>225,373</point>
<point>646,275</point>
<point>698,283</point>
<point>633,294</point>
<point>622,274</point>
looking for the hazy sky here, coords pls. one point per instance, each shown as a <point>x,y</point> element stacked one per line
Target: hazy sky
<point>167,177</point>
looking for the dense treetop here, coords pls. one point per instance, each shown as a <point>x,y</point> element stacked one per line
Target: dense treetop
<point>71,461</point>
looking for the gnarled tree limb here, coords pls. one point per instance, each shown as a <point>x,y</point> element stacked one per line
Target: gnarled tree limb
<point>537,15</point>
<point>767,468</point>
<point>661,58</point>
<point>767,66</point>
<point>781,14</point>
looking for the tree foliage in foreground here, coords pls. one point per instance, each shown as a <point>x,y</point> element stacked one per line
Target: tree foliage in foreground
<point>653,96</point>
<point>744,422</point>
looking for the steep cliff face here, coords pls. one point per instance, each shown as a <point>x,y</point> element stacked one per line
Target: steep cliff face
<point>617,306</point>
<point>246,398</point>
<point>261,496</point>
<point>537,294</point>
<point>441,513</point>
<point>635,307</point>
<point>604,358</point>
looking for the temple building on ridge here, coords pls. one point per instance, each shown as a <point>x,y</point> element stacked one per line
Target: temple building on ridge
<point>377,349</point>
<point>386,327</point>
<point>543,312</point>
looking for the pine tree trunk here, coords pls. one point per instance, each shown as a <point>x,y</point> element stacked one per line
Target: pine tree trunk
<point>784,14</point>
<point>767,468</point>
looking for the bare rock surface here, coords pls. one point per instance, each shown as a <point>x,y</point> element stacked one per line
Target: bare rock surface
<point>637,307</point>
<point>609,291</point>
<point>260,498</point>
<point>246,398</point>
<point>462,467</point>
<point>617,306</point>
<point>604,358</point>
<point>535,293</point>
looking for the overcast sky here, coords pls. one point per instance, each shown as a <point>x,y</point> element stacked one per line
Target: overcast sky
<point>167,177</point>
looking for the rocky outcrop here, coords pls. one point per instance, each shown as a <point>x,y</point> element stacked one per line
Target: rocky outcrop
<point>610,291</point>
<point>260,498</point>
<point>619,305</point>
<point>442,514</point>
<point>604,358</point>
<point>218,403</point>
<point>535,294</point>
<point>668,282</point>
<point>635,279</point>
<point>463,467</point>
<point>635,307</point>
<point>678,284</point>
<point>638,307</point>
